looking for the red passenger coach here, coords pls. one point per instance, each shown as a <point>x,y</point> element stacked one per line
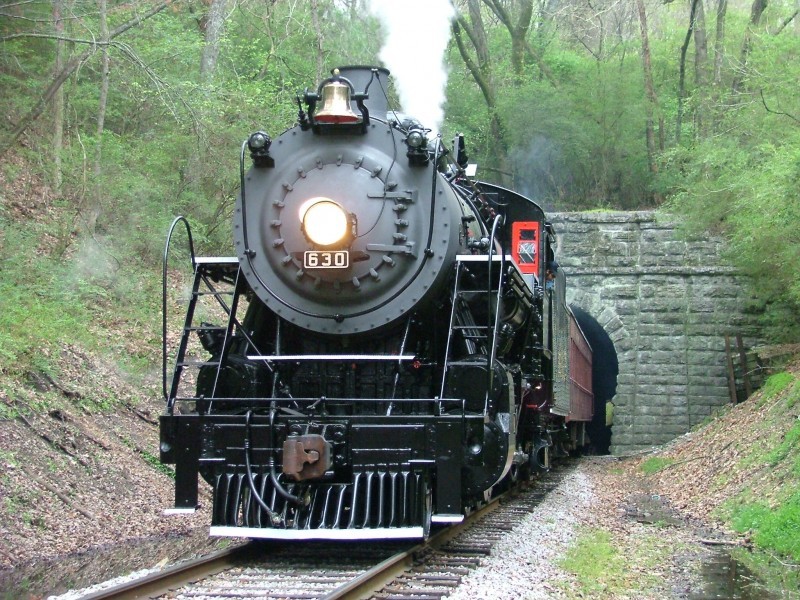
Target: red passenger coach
<point>581,397</point>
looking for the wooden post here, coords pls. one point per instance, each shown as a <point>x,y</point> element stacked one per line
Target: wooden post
<point>731,374</point>
<point>748,388</point>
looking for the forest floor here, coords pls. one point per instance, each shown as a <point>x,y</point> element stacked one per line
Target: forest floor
<point>82,480</point>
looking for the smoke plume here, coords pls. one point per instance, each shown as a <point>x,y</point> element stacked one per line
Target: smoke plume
<point>416,37</point>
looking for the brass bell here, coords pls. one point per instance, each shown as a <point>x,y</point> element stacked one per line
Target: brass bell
<point>336,104</point>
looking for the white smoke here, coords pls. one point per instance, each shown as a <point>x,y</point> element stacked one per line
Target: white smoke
<point>417,33</point>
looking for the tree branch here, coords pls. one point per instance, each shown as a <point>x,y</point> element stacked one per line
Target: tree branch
<point>51,36</point>
<point>787,21</point>
<point>38,108</point>
<point>776,112</point>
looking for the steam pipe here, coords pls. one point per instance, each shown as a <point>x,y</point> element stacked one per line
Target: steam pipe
<point>273,516</point>
<point>271,463</point>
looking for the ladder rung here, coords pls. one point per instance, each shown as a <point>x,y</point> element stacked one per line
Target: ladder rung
<point>213,293</point>
<point>209,328</point>
<point>471,327</point>
<point>198,363</point>
<point>465,363</point>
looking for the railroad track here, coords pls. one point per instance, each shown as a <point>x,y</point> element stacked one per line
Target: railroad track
<point>386,571</point>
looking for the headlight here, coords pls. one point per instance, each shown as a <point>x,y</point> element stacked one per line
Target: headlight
<point>324,222</point>
<point>416,139</point>
<point>258,140</point>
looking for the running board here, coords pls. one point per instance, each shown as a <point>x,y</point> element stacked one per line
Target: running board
<point>447,519</point>
<point>387,533</point>
<point>178,511</point>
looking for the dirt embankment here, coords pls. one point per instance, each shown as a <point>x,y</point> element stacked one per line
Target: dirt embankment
<point>746,453</point>
<point>75,472</point>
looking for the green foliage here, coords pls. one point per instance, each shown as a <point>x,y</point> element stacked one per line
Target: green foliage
<point>742,181</point>
<point>49,301</point>
<point>776,383</point>
<point>772,572</point>
<point>602,568</point>
<point>775,529</point>
<point>36,313</point>
<point>788,445</point>
<point>655,464</point>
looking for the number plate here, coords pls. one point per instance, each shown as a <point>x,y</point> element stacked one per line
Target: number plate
<point>319,259</point>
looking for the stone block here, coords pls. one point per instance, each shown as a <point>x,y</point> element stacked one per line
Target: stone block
<point>615,292</point>
<point>662,342</point>
<point>646,357</point>
<point>625,378</point>
<point>716,379</point>
<point>705,343</point>
<point>660,330</point>
<point>665,391</point>
<point>650,374</point>
<point>651,317</point>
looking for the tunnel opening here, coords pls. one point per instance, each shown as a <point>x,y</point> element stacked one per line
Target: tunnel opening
<point>605,368</point>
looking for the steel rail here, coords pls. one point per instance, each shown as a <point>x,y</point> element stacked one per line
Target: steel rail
<point>372,581</point>
<point>365,585</point>
<point>161,582</point>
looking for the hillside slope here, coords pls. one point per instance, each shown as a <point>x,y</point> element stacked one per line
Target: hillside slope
<point>741,472</point>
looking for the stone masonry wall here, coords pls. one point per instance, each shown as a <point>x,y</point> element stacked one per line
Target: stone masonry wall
<point>667,304</point>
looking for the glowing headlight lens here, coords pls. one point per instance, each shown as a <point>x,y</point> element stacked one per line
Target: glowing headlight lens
<point>324,221</point>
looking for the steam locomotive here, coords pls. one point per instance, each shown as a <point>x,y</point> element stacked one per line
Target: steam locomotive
<point>390,346</point>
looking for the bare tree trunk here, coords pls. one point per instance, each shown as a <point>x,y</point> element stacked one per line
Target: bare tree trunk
<point>58,98</point>
<point>701,68</point>
<point>518,30</point>
<point>72,65</point>
<point>757,9</point>
<point>682,73</point>
<point>719,55</point>
<point>719,41</point>
<point>652,100</point>
<point>319,55</point>
<point>214,26</point>
<point>787,20</point>
<point>519,37</point>
<point>92,212</point>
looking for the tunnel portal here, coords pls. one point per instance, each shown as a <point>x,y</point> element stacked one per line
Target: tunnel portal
<point>656,307</point>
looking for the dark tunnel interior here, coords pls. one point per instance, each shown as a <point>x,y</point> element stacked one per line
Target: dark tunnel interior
<point>605,368</point>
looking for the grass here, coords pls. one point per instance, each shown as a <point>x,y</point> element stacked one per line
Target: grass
<point>151,459</point>
<point>603,569</point>
<point>776,576</point>
<point>774,385</point>
<point>773,529</point>
<point>595,562</point>
<point>787,446</point>
<point>655,464</point>
<point>47,302</point>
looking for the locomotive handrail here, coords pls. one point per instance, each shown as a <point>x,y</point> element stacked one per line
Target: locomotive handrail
<point>498,222</point>
<point>333,400</point>
<point>178,219</point>
<point>313,357</point>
